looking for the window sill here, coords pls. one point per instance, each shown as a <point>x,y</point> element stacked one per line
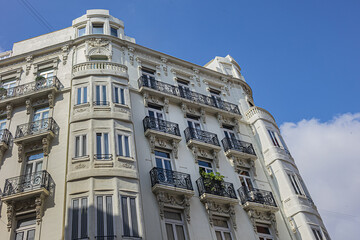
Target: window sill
<point>122,158</point>
<point>81,159</point>
<point>82,105</point>
<point>121,105</point>
<point>131,238</point>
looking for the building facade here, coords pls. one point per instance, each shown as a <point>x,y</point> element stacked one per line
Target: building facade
<point>102,138</point>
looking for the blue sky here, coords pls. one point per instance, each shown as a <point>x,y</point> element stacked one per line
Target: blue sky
<point>301,58</point>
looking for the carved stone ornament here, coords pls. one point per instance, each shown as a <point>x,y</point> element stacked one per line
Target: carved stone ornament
<point>51,100</point>
<point>29,60</point>
<point>155,141</point>
<point>213,208</point>
<point>146,98</point>
<point>98,47</point>
<point>169,200</point>
<point>203,115</point>
<point>20,153</point>
<point>10,215</point>
<point>166,105</point>
<point>65,52</point>
<point>204,153</point>
<point>262,217</point>
<point>39,202</point>
<point>175,148</point>
<point>193,111</point>
<point>28,106</point>
<point>45,142</point>
<point>9,109</point>
<point>131,51</point>
<point>228,121</point>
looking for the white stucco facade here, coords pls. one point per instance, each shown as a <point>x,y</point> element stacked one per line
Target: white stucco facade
<point>103,138</point>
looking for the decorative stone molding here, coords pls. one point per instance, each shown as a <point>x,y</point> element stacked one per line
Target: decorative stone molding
<point>214,208</point>
<point>48,63</point>
<point>28,106</point>
<point>175,148</point>
<point>46,143</point>
<point>131,51</point>
<point>171,144</point>
<point>292,225</point>
<point>170,200</point>
<point>65,52</point>
<point>166,105</point>
<point>20,153</point>
<point>11,74</point>
<point>164,65</point>
<point>205,153</point>
<point>203,115</point>
<point>29,60</point>
<point>193,111</point>
<point>9,109</point>
<point>266,217</point>
<point>51,99</point>
<point>10,215</point>
<point>39,209</point>
<point>98,47</point>
<point>228,121</point>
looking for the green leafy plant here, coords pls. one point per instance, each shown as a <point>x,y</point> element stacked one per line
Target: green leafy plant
<point>3,91</point>
<point>212,180</point>
<point>39,78</point>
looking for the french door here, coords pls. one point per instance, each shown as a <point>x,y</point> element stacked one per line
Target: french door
<point>40,119</point>
<point>33,171</point>
<point>163,163</point>
<point>49,76</point>
<point>184,89</point>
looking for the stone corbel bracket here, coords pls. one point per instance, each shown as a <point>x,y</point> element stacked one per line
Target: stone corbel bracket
<point>205,153</point>
<point>220,209</point>
<point>171,144</point>
<point>200,112</point>
<point>65,52</point>
<point>265,217</point>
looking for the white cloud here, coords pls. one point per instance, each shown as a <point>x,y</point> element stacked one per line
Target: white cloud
<point>328,157</point>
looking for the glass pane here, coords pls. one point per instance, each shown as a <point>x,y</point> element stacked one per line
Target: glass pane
<point>122,95</point>
<point>120,148</point>
<point>104,93</point>
<point>170,232</point>
<point>262,229</point>
<point>227,236</point>
<point>109,216</point>
<point>127,149</point>
<point>77,146</point>
<point>116,90</point>
<point>26,222</point>
<point>81,32</point>
<point>98,95</point>
<point>84,145</point>
<point>151,114</point>
<point>106,143</point>
<point>84,217</point>
<point>204,164</point>
<point>78,96</point>
<point>19,236</point>
<point>173,215</point>
<point>100,216</point>
<point>38,167</point>
<point>218,235</point>
<point>35,156</point>
<point>162,154</point>
<point>98,29</point>
<point>134,217</point>
<point>180,232</point>
<point>220,223</point>
<point>31,234</point>
<point>85,95</point>
<point>167,164</point>
<point>98,143</point>
<point>159,163</point>
<point>75,219</point>
<point>114,32</point>
<point>125,214</point>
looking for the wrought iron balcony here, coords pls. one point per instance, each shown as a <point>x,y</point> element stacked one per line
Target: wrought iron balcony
<point>256,196</point>
<point>150,82</point>
<point>161,126</point>
<point>101,103</point>
<point>29,88</point>
<point>202,136</point>
<point>170,178</point>
<point>27,183</point>
<point>103,157</point>
<point>36,127</point>
<point>219,188</point>
<point>5,136</point>
<point>237,145</point>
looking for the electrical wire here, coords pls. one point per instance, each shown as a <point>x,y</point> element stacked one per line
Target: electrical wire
<point>38,17</point>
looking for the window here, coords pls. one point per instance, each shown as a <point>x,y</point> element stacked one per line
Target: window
<point>205,166</point>
<point>98,28</point>
<point>81,31</point>
<point>48,74</point>
<point>174,224</point>
<point>264,232</point>
<point>9,86</point>
<point>155,112</point>
<point>119,95</point>
<point>81,95</point>
<point>25,229</point>
<point>114,31</point>
<point>123,145</point>
<point>277,140</point>
<point>2,123</point>
<point>297,184</point>
<point>184,88</point>
<point>102,146</point>
<point>215,95</point>
<point>129,216</point>
<point>98,58</point>
<point>80,146</point>
<point>104,218</point>
<point>273,138</point>
<point>193,122</point>
<point>33,171</point>
<point>100,95</point>
<point>317,233</point>
<point>222,230</point>
<point>79,218</point>
<point>148,76</point>
<point>245,179</point>
<point>163,160</point>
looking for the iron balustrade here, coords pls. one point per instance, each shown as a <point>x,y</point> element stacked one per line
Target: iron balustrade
<point>150,82</point>
<point>161,126</point>
<point>27,183</point>
<point>36,127</point>
<point>28,88</point>
<point>219,188</point>
<point>5,136</point>
<point>101,103</point>
<point>202,136</point>
<point>237,145</point>
<point>103,157</point>
<point>170,178</point>
<point>257,196</point>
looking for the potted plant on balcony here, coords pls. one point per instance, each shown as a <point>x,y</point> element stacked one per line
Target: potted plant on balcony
<point>39,78</point>
<point>212,181</point>
<point>3,92</point>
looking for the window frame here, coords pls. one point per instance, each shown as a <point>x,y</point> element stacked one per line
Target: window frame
<point>81,149</point>
<point>105,220</point>
<point>245,177</point>
<point>80,95</point>
<point>123,145</point>
<point>79,224</point>
<point>265,236</point>
<point>130,214</point>
<point>95,25</point>
<point>104,148</point>
<point>174,223</point>
<point>81,28</point>
<point>222,230</point>
<point>318,234</point>
<point>101,96</point>
<point>296,184</point>
<point>206,168</point>
<point>116,29</point>
<point>120,92</point>
<point>27,228</point>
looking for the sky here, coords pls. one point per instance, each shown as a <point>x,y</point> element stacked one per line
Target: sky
<point>301,58</point>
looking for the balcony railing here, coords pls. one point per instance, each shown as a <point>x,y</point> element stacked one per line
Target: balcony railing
<point>170,178</point>
<point>103,157</point>
<point>150,82</point>
<point>202,136</point>
<point>5,136</point>
<point>237,145</point>
<point>256,196</point>
<point>99,66</point>
<point>220,188</point>
<point>27,183</point>
<point>161,126</point>
<point>101,103</point>
<point>28,88</point>
<point>36,127</point>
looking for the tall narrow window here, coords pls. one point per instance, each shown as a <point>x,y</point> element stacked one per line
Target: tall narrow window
<point>114,31</point>
<point>123,145</point>
<point>295,182</point>
<point>129,214</point>
<point>174,224</point>
<point>100,92</point>
<point>79,221</point>
<point>104,218</point>
<point>273,138</point>
<point>9,86</point>
<point>98,28</point>
<point>81,31</point>
<point>222,230</point>
<point>317,233</point>
<point>102,146</point>
<point>245,180</point>
<point>264,232</point>
<point>81,95</point>
<point>25,229</point>
<point>80,146</point>
<point>205,166</point>
<point>119,95</point>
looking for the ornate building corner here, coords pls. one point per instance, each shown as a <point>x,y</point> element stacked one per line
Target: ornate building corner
<point>20,153</point>
<point>28,106</point>
<point>9,109</point>
<point>65,52</point>
<point>10,214</point>
<point>166,105</point>
<point>51,99</point>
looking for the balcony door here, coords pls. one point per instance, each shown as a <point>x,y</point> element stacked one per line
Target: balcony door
<point>9,86</point>
<point>156,116</point>
<point>40,119</point>
<point>148,76</point>
<point>245,180</point>
<point>163,163</point>
<point>195,127</point>
<point>215,95</point>
<point>184,89</point>
<point>230,135</point>
<point>48,75</point>
<point>33,171</point>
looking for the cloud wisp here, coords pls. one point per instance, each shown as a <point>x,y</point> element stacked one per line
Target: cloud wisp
<point>328,157</point>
